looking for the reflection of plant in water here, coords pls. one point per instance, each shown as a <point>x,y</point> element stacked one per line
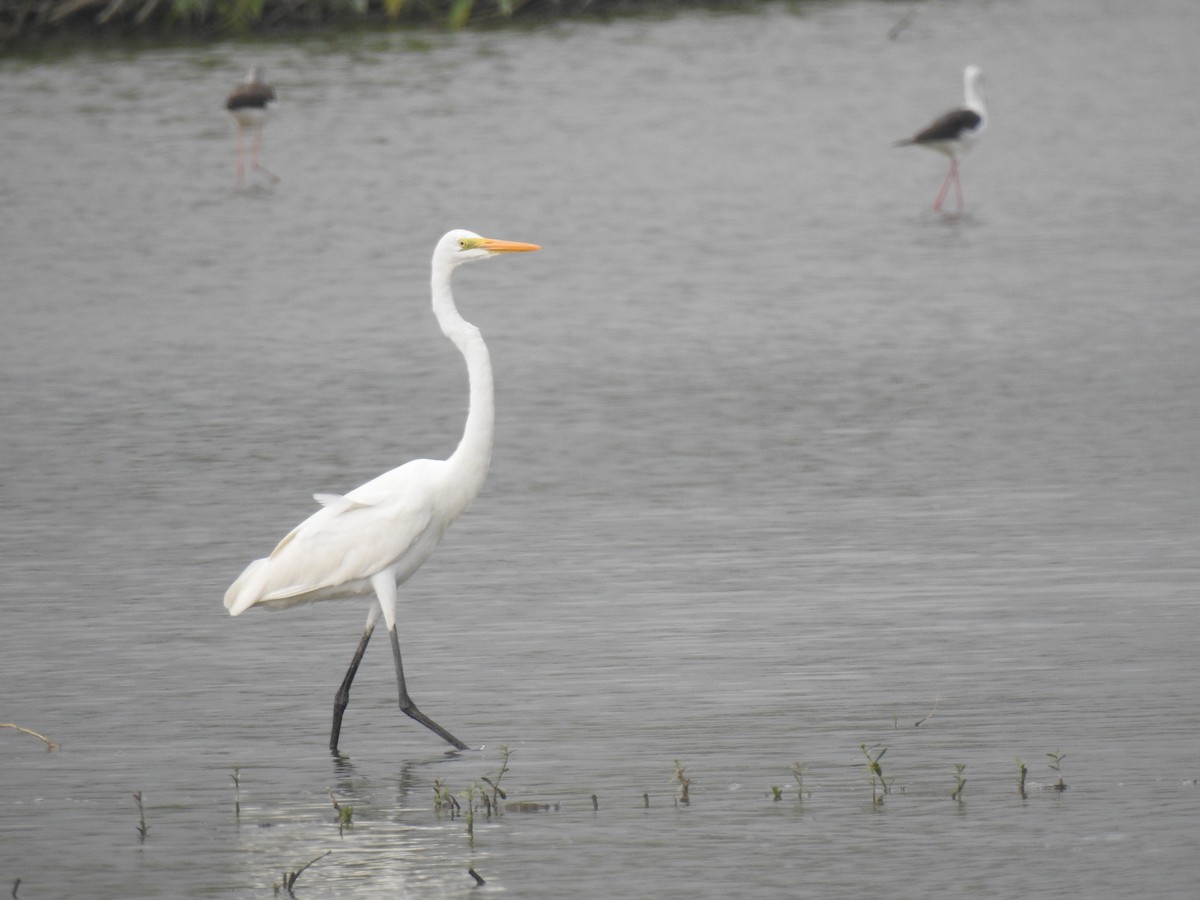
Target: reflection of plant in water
<point>469,796</point>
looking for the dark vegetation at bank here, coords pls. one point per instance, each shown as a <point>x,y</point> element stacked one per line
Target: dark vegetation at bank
<point>34,21</point>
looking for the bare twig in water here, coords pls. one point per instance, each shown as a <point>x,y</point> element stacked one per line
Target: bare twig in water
<point>478,878</point>
<point>920,722</point>
<point>1022,771</point>
<point>289,878</point>
<point>50,745</point>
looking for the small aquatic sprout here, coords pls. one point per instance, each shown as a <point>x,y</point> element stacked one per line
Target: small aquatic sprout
<point>50,745</point>
<point>684,783</point>
<point>444,799</point>
<point>798,774</point>
<point>776,793</point>
<point>439,794</point>
<point>237,792</point>
<point>961,782</point>
<point>873,755</point>
<point>143,828</point>
<point>1056,759</point>
<point>345,812</point>
<point>497,793</point>
<point>288,879</point>
<point>1022,771</point>
<point>595,803</point>
<point>646,800</point>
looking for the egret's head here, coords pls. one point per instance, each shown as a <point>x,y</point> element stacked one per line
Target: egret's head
<point>459,246</point>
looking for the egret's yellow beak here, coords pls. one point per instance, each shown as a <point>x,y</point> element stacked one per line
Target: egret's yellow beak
<point>496,246</point>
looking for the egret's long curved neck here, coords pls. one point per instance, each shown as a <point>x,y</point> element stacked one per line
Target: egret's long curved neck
<point>470,460</point>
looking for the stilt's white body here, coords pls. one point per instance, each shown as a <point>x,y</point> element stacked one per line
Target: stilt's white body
<point>956,132</point>
<point>250,105</point>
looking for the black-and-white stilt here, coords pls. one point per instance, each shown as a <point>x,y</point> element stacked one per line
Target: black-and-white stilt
<point>955,132</point>
<point>250,104</point>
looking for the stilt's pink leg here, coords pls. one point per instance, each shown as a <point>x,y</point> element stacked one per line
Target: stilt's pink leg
<point>937,204</point>
<point>254,162</point>
<point>240,165</point>
<point>957,185</point>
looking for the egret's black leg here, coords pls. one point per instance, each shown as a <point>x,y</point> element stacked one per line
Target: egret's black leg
<point>342,698</point>
<point>408,707</point>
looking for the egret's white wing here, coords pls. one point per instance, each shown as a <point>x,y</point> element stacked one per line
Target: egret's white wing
<point>336,550</point>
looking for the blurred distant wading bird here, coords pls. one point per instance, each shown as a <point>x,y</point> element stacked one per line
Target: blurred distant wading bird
<point>955,132</point>
<point>374,538</point>
<point>250,104</point>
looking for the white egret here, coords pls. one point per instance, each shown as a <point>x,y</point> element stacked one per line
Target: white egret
<point>250,105</point>
<point>955,132</point>
<point>374,538</point>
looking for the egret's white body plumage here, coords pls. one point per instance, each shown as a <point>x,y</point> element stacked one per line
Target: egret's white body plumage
<point>374,538</point>
<point>392,523</point>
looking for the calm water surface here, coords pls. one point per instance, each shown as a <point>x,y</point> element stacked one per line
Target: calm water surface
<point>785,461</point>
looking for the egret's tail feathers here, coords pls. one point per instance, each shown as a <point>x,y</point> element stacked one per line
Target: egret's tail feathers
<point>247,590</point>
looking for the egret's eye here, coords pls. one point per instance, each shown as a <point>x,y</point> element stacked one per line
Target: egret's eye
<point>462,243</point>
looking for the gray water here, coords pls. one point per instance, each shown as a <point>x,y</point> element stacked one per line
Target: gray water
<point>785,462</point>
